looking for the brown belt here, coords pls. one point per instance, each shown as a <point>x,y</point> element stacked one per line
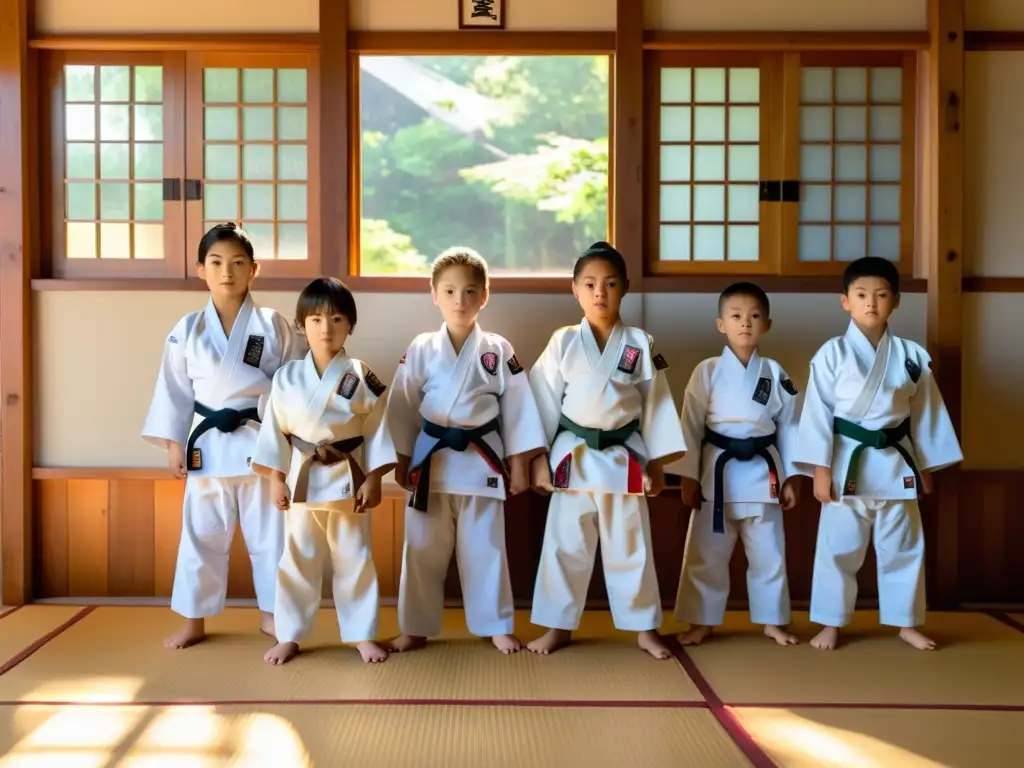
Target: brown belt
<point>327,454</point>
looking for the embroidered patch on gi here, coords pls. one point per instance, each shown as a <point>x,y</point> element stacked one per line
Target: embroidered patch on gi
<point>789,386</point>
<point>851,487</point>
<point>908,482</point>
<point>172,340</point>
<point>401,361</point>
<point>492,482</point>
<point>414,477</point>
<point>348,385</point>
<point>490,362</point>
<point>346,490</point>
<point>660,363</point>
<point>248,461</point>
<point>763,390</point>
<point>375,385</point>
<point>773,485</point>
<point>514,365</point>
<point>628,361</point>
<point>561,479</point>
<point>196,459</point>
<point>253,351</point>
<point>913,370</point>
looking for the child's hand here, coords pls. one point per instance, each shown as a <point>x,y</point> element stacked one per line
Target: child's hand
<point>368,495</point>
<point>654,480</point>
<point>279,495</point>
<point>823,485</point>
<point>519,475</point>
<point>926,482</point>
<point>176,460</point>
<point>691,493</point>
<point>789,495</point>
<point>402,472</point>
<point>540,472</point>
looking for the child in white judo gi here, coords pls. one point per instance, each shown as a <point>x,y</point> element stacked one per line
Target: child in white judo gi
<point>743,410</point>
<point>610,421</point>
<point>324,445</point>
<point>872,429</point>
<point>216,370</point>
<point>460,406</point>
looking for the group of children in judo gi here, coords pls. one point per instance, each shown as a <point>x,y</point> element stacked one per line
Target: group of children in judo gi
<point>275,427</point>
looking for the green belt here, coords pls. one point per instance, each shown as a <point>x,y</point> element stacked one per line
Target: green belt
<point>601,439</point>
<point>873,438</point>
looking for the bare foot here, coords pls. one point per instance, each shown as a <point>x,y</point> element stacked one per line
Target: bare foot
<point>550,641</point>
<point>507,643</point>
<point>281,653</point>
<point>406,643</point>
<point>916,639</point>
<point>779,635</point>
<point>193,632</point>
<point>267,624</point>
<point>371,652</point>
<point>827,639</point>
<point>697,635</point>
<point>651,642</point>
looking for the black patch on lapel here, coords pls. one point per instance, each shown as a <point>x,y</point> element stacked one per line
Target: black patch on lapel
<point>763,391</point>
<point>253,351</point>
<point>196,459</point>
<point>374,384</point>
<point>789,386</point>
<point>913,370</point>
<point>660,363</point>
<point>492,482</point>
<point>489,360</point>
<point>514,366</point>
<point>630,357</point>
<point>561,478</point>
<point>348,385</point>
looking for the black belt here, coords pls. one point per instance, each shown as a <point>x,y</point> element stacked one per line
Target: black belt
<point>327,454</point>
<point>458,439</point>
<point>225,420</point>
<point>872,438</point>
<point>741,449</point>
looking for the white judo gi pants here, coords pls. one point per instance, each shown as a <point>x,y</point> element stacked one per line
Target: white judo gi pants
<point>313,536</point>
<point>844,530</point>
<point>212,507</point>
<point>474,528</point>
<point>576,523</point>
<point>704,583</point>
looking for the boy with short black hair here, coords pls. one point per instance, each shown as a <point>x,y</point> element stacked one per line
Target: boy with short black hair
<point>214,377</point>
<point>743,410</point>
<point>872,429</point>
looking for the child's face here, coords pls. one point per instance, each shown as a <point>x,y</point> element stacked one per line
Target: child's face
<point>228,270</point>
<point>599,290</point>
<point>460,296</point>
<point>743,321</point>
<point>326,334</point>
<point>870,302</point>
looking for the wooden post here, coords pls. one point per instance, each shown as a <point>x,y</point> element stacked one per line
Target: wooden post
<point>627,145</point>
<point>945,235</point>
<point>338,164</point>
<point>15,306</point>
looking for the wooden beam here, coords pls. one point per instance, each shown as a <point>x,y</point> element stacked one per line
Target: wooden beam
<point>945,215</point>
<point>664,40</point>
<point>335,156</point>
<point>627,140</point>
<point>15,295</point>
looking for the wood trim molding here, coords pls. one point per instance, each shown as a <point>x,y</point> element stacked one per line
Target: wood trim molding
<point>992,40</point>
<point>335,154</point>
<point>476,42</point>
<point>993,285</point>
<point>17,127</point>
<point>214,42</point>
<point>786,41</point>
<point>627,147</point>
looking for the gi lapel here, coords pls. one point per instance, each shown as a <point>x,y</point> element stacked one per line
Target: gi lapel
<point>757,386</point>
<point>235,342</point>
<point>329,384</point>
<point>464,362</point>
<point>603,364</point>
<point>873,380</point>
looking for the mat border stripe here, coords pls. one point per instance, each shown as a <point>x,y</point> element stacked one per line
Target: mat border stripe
<point>15,660</point>
<point>1007,619</point>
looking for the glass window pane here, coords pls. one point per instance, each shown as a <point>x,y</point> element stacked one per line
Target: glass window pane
<point>815,123</point>
<point>815,243</point>
<point>115,241</point>
<point>709,163</point>
<point>291,86</point>
<point>885,163</point>
<point>149,122</point>
<point>744,243</point>
<point>220,124</point>
<point>258,123</point>
<point>292,242</point>
<point>675,85</point>
<point>114,122</point>
<point>220,85</point>
<point>851,203</point>
<point>816,85</point>
<point>851,123</point>
<point>675,123</point>
<point>815,202</point>
<point>291,202</point>
<point>79,83</point>
<point>709,85</point>
<point>744,85</point>
<point>709,202</point>
<point>886,123</point>
<point>149,161</point>
<point>220,161</point>
<point>114,202</point>
<point>220,202</point>
<point>851,85</point>
<point>744,202</point>
<point>884,242</point>
<point>262,239</point>
<point>80,122</point>
<point>114,161</point>
<point>258,161</point>
<point>709,243</point>
<point>851,243</point>
<point>81,161</point>
<point>258,202</point>
<point>149,202</point>
<point>81,240</point>
<point>744,162</point>
<point>291,123</point>
<point>675,202</point>
<point>709,124</point>
<point>674,242</point>
<point>80,200</point>
<point>115,83</point>
<point>886,85</point>
<point>885,202</point>
<point>149,84</point>
<point>744,123</point>
<point>291,162</point>
<point>675,163</point>
<point>851,163</point>
<point>149,241</point>
<point>258,86</point>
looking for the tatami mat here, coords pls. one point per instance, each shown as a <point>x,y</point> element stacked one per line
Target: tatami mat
<point>874,738</point>
<point>288,736</point>
<point>981,662</point>
<point>1019,618</point>
<point>24,627</point>
<point>117,654</point>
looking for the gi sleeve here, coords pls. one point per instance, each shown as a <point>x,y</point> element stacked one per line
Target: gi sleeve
<point>173,405</point>
<point>273,452</point>
<point>548,386</point>
<point>931,429</point>
<point>815,438</point>
<point>787,425</point>
<point>522,430</point>
<point>405,398</point>
<point>692,419</point>
<point>660,429</point>
<point>379,453</point>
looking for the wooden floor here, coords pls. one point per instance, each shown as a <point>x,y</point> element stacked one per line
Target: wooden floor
<point>92,686</point>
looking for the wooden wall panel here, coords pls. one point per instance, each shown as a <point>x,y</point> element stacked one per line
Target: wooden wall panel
<point>119,538</point>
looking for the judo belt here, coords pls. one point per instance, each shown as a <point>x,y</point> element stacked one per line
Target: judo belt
<point>602,439</point>
<point>226,420</point>
<point>873,438</point>
<point>741,449</point>
<point>327,454</point>
<point>457,439</point>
